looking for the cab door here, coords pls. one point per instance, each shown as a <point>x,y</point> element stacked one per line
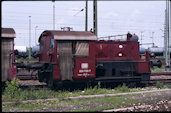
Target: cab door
<point>64,51</point>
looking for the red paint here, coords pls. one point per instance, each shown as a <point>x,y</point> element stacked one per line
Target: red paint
<point>142,67</point>
<point>85,68</point>
<point>56,72</point>
<point>56,68</point>
<point>147,54</point>
<point>13,68</point>
<point>80,72</point>
<point>89,72</point>
<point>110,50</point>
<point>117,50</point>
<point>44,56</point>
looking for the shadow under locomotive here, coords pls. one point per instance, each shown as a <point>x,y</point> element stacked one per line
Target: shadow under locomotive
<point>117,70</point>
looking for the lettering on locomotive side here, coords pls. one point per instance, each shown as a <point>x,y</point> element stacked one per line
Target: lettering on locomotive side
<point>83,74</point>
<point>85,70</point>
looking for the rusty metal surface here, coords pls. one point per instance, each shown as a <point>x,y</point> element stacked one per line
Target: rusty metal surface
<point>6,58</point>
<point>65,56</point>
<point>70,35</point>
<point>7,33</point>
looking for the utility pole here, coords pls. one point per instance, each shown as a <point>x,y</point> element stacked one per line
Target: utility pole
<point>167,57</point>
<point>141,37</point>
<point>29,37</point>
<point>152,38</point>
<point>86,16</point>
<point>169,39</point>
<point>35,34</point>
<point>95,16</point>
<point>165,42</point>
<point>53,14</point>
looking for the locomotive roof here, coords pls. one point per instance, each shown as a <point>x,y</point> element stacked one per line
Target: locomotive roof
<point>8,33</point>
<point>70,35</point>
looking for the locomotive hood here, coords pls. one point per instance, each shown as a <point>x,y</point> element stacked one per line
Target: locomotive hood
<point>69,35</point>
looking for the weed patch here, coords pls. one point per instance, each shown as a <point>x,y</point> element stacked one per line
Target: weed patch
<point>95,90</point>
<point>159,85</point>
<point>12,90</point>
<point>122,88</point>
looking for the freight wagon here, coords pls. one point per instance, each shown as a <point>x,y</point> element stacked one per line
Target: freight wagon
<point>8,68</point>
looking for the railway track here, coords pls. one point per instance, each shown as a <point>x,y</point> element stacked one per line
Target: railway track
<point>27,75</point>
<point>31,79</point>
<point>27,84</point>
<point>163,81</point>
<point>168,81</point>
<point>33,75</point>
<point>162,77</point>
<point>158,73</point>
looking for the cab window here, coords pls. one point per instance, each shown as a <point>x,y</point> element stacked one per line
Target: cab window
<point>51,44</point>
<point>41,46</point>
<point>82,49</point>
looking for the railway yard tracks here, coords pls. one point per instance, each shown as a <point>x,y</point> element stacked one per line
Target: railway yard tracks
<point>31,79</point>
<point>162,77</point>
<point>159,98</point>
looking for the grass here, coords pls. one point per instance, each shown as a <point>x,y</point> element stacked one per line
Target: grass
<point>108,103</point>
<point>93,104</point>
<point>158,69</point>
<point>167,86</point>
<point>159,85</point>
<point>25,60</point>
<point>14,93</point>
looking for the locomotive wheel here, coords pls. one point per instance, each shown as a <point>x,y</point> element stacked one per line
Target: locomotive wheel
<point>132,84</point>
<point>151,64</point>
<point>50,82</point>
<point>159,64</point>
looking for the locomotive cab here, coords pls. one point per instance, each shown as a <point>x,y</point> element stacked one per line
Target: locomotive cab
<point>66,56</point>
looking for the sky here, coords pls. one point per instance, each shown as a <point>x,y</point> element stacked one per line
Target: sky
<point>144,18</point>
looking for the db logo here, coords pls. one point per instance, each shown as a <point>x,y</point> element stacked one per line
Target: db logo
<point>84,65</point>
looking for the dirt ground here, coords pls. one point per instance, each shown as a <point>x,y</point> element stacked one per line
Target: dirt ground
<point>30,82</point>
<point>160,106</point>
<point>157,101</point>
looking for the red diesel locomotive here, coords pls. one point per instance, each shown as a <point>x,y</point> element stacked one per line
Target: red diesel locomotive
<point>76,56</point>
